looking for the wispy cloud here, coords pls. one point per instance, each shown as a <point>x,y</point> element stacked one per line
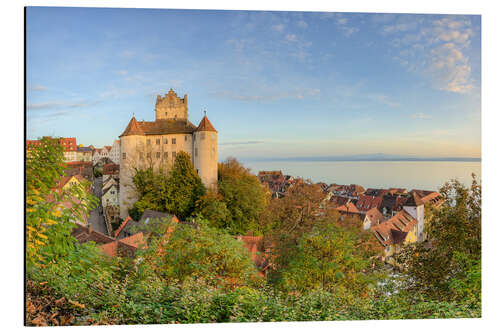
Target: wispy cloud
<point>291,37</point>
<point>278,27</point>
<point>436,48</point>
<point>420,115</point>
<point>61,105</point>
<point>268,96</point>
<point>302,24</point>
<point>37,88</point>
<point>386,100</point>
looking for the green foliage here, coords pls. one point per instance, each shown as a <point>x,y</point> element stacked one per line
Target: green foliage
<point>97,172</point>
<point>182,251</point>
<point>448,267</point>
<point>240,202</point>
<point>174,192</point>
<point>327,258</point>
<point>50,213</point>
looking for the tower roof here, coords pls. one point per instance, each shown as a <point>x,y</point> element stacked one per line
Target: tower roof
<point>158,127</point>
<point>133,128</point>
<point>205,125</point>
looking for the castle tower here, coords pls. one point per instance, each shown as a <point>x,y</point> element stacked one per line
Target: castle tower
<point>171,107</point>
<point>205,154</point>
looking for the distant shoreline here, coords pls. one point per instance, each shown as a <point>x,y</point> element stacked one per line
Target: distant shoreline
<point>366,159</point>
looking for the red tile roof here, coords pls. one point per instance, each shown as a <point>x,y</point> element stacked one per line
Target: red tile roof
<point>205,125</point>
<point>348,208</point>
<point>158,127</point>
<point>124,223</point>
<point>402,222</point>
<point>366,202</point>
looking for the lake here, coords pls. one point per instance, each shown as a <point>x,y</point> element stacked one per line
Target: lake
<point>428,175</point>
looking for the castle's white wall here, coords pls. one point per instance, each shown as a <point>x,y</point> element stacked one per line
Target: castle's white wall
<point>143,152</point>
<point>205,157</point>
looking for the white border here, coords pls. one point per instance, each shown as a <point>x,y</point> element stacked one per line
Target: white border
<point>12,85</point>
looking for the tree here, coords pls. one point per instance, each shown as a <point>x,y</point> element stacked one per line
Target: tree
<point>328,258</point>
<point>175,191</point>
<point>448,265</point>
<point>242,199</point>
<point>50,214</point>
<point>179,251</point>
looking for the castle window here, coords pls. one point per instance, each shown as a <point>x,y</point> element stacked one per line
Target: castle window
<point>148,155</point>
<point>124,155</point>
<point>157,141</point>
<point>158,155</point>
<point>166,114</point>
<point>173,141</point>
<point>165,154</point>
<point>197,171</point>
<point>185,137</point>
<point>148,142</point>
<point>203,136</point>
<point>165,141</point>
<point>174,154</point>
<point>141,155</point>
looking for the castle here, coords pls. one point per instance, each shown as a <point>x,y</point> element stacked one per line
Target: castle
<point>155,144</point>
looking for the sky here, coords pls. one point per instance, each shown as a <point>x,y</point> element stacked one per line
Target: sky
<point>274,84</point>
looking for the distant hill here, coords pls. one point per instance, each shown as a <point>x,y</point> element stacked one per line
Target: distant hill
<point>368,157</point>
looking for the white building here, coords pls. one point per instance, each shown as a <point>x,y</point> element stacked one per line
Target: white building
<point>156,143</point>
<point>114,153</point>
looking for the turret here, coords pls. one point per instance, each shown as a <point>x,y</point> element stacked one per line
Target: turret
<point>205,153</point>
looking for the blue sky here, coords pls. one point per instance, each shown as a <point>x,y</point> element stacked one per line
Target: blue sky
<point>273,83</point>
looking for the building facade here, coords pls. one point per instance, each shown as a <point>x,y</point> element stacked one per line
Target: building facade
<point>114,153</point>
<point>156,143</point>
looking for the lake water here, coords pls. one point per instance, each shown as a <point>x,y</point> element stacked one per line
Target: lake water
<point>376,174</point>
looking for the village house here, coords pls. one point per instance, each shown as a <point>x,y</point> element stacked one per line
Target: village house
<point>110,246</point>
<point>415,206</point>
<point>110,170</point>
<point>114,152</point>
<point>100,154</point>
<point>394,232</point>
<point>68,144</point>
<point>372,218</point>
<point>110,194</point>
<point>366,202</point>
<point>84,154</point>
<point>83,169</point>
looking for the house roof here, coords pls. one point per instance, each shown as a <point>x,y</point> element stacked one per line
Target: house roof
<point>85,234</point>
<point>375,216</point>
<point>158,127</point>
<point>124,223</point>
<point>110,168</point>
<point>205,125</point>
<point>109,188</point>
<point>348,208</point>
<point>401,223</point>
<point>84,149</point>
<point>366,202</point>
<point>65,179</point>
<point>421,197</point>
